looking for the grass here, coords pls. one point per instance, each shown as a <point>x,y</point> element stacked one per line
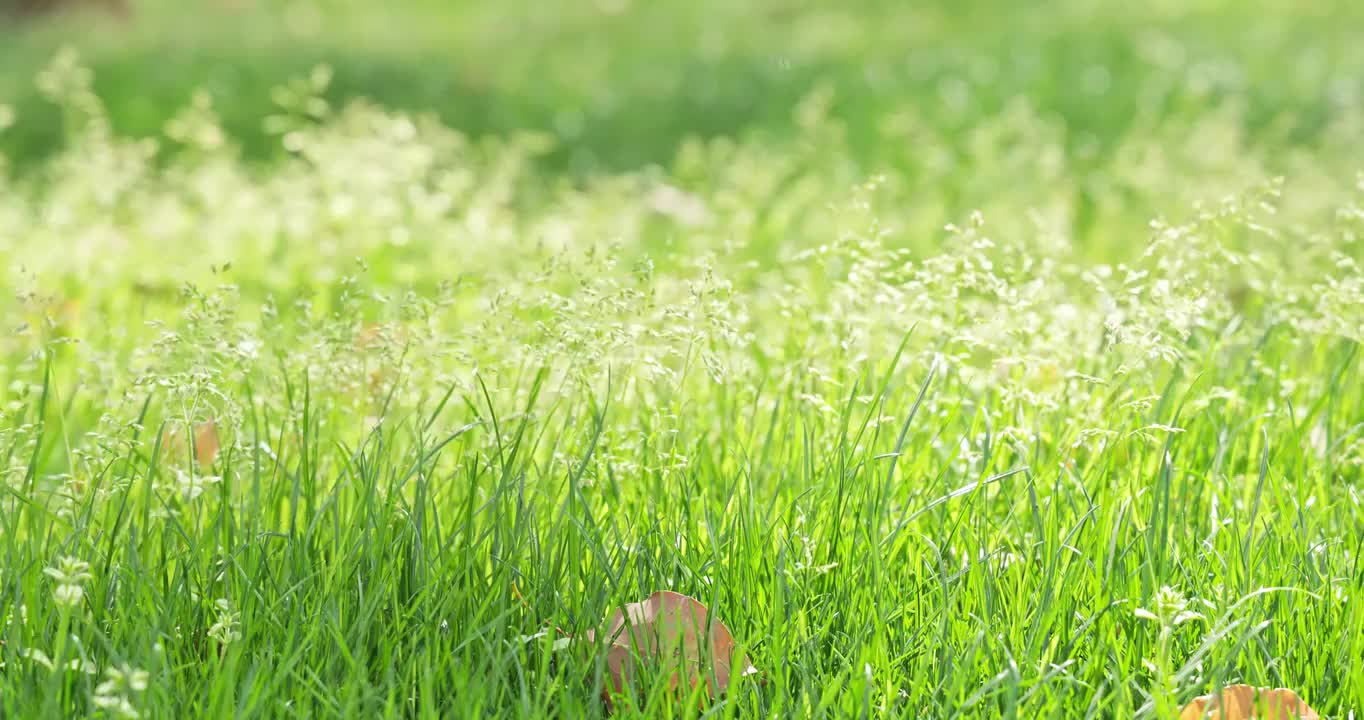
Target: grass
<point>711,69</point>
<point>1018,378</point>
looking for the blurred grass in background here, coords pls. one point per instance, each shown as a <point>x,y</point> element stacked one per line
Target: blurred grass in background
<point>621,83</point>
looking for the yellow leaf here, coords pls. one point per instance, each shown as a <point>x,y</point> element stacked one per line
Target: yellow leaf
<point>677,634</point>
<point>1241,702</point>
<point>206,442</point>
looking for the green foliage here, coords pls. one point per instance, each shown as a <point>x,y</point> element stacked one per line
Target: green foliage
<point>1023,386</point>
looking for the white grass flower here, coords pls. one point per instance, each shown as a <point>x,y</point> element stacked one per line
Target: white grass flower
<point>1170,608</point>
<point>68,595</point>
<point>116,692</point>
<point>191,485</point>
<point>39,658</point>
<point>71,575</point>
<point>226,629</point>
<point>128,677</point>
<point>117,706</point>
<point>69,571</point>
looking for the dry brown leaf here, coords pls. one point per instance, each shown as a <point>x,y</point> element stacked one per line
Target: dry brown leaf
<point>206,444</point>
<point>1241,702</point>
<point>667,629</point>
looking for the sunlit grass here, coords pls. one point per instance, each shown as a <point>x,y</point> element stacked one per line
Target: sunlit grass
<point>974,415</point>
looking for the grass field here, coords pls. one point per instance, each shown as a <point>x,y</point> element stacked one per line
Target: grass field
<point>979,359</point>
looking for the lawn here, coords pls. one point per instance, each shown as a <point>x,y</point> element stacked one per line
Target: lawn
<point>979,359</point>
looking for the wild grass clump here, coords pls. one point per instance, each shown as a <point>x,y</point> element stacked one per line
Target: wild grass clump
<point>1002,428</point>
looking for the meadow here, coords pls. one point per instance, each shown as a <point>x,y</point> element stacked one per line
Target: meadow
<point>967,360</point>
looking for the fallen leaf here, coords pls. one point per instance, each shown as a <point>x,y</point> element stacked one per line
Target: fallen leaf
<point>1240,702</point>
<point>206,442</point>
<point>677,634</point>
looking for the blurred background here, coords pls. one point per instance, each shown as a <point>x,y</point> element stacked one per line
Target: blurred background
<point>621,83</point>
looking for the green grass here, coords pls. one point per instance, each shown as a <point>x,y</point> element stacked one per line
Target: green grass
<point>624,88</point>
<point>936,351</point>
